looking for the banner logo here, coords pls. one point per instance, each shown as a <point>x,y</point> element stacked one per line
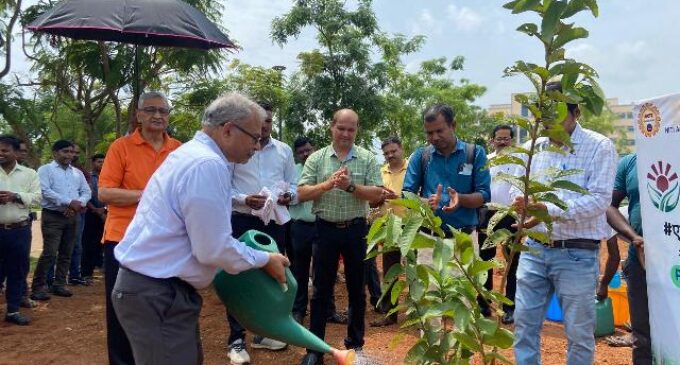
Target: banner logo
<point>663,188</point>
<point>675,275</point>
<point>649,120</point>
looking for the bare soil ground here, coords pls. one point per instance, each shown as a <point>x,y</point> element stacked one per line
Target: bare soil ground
<point>71,331</point>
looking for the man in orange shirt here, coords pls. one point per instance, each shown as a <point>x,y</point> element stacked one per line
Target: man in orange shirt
<point>129,164</point>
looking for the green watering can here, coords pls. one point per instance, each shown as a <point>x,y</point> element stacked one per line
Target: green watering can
<point>264,306</point>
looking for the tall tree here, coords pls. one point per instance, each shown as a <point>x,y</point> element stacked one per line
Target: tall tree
<point>337,75</point>
<point>9,14</point>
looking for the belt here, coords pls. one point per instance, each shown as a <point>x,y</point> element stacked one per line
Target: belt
<point>582,243</point>
<point>16,225</point>
<point>45,210</point>
<point>343,224</point>
<point>300,221</point>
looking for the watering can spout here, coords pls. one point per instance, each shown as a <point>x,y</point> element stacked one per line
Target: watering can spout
<point>264,307</point>
<point>344,357</point>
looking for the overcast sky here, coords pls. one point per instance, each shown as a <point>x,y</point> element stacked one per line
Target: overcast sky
<point>634,44</point>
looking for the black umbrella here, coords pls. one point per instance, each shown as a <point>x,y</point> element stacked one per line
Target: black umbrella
<point>165,23</point>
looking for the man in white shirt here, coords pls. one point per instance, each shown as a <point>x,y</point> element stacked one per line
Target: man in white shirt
<point>181,233</point>
<point>502,136</point>
<point>271,167</point>
<point>567,265</point>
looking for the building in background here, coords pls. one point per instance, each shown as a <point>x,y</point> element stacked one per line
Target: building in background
<point>623,123</point>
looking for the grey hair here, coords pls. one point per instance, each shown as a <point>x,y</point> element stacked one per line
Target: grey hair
<point>152,95</point>
<point>231,107</point>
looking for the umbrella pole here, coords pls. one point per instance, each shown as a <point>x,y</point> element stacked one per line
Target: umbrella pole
<point>137,83</point>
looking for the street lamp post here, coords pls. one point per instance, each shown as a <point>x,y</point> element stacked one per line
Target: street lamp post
<point>280,69</point>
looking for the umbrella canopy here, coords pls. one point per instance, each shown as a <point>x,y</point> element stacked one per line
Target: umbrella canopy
<point>165,23</point>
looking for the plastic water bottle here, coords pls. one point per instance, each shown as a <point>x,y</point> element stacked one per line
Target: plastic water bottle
<point>615,283</point>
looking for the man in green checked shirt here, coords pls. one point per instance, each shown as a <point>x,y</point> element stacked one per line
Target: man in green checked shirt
<point>341,179</point>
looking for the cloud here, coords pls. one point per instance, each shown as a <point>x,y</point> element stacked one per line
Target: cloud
<point>427,24</point>
<point>464,18</point>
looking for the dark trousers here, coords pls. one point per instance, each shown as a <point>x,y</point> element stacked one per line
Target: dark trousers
<point>389,259</point>
<point>160,317</point>
<point>350,242</point>
<point>240,224</point>
<point>77,255</point>
<point>639,311</point>
<point>372,281</point>
<point>15,246</point>
<point>92,245</point>
<point>59,234</point>
<point>120,351</point>
<point>490,253</point>
<point>304,238</point>
<point>3,274</point>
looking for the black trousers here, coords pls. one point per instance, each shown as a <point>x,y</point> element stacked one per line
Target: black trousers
<point>59,237</point>
<point>389,259</point>
<point>120,351</point>
<point>92,246</point>
<point>490,253</point>
<point>240,224</point>
<point>15,246</point>
<point>350,242</point>
<point>304,238</point>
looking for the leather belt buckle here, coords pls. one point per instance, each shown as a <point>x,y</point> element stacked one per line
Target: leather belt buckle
<point>344,224</point>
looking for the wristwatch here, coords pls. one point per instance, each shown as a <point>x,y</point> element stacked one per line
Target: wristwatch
<point>351,188</point>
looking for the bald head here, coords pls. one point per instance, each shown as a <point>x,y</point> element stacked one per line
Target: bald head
<point>348,115</point>
<point>344,128</point>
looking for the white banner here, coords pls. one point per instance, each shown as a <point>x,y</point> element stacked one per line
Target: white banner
<point>657,137</point>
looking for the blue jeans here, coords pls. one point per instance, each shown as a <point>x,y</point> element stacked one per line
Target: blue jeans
<point>572,274</point>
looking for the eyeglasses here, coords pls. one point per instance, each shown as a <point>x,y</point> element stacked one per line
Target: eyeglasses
<point>503,139</point>
<point>256,139</point>
<point>153,110</point>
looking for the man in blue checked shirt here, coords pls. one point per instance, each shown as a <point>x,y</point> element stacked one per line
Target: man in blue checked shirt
<point>567,265</point>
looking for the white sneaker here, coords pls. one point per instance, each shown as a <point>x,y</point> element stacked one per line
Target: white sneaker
<point>237,353</point>
<point>260,342</point>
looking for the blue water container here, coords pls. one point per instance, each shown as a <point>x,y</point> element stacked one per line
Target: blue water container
<point>554,310</point>
<point>615,283</point>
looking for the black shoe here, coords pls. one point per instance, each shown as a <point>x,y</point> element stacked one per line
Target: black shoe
<point>385,321</point>
<point>17,318</point>
<point>60,291</point>
<point>40,295</point>
<point>78,281</point>
<point>337,318</point>
<point>299,317</point>
<point>312,359</point>
<point>27,303</point>
<point>508,317</point>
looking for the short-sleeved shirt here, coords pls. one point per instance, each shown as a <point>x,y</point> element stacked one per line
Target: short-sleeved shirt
<point>395,182</point>
<point>301,211</point>
<point>129,164</point>
<point>337,205</point>
<point>626,181</point>
<point>452,172</point>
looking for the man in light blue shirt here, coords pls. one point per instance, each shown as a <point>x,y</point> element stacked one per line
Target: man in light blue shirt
<point>64,193</point>
<point>181,234</point>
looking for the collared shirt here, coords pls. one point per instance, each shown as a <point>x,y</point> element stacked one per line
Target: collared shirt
<point>129,164</point>
<point>272,164</point>
<point>25,182</point>
<point>450,172</point>
<point>337,205</point>
<point>183,223</point>
<point>595,155</point>
<point>61,185</point>
<point>500,189</point>
<point>626,181</point>
<point>302,211</point>
<point>395,182</point>
<point>94,186</point>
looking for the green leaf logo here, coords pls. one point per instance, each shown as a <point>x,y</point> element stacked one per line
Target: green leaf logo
<point>663,187</point>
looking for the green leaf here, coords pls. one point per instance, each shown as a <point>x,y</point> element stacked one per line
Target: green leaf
<point>538,236</point>
<point>408,203</point>
<point>375,227</point>
<point>520,6</point>
<point>555,56</point>
<point>498,237</point>
<point>529,28</point>
<point>552,198</point>
<point>393,273</point>
<point>409,232</point>
<point>467,341</point>
<point>482,266</point>
<point>487,326</point>
<point>551,19</point>
<point>501,338</point>
<point>568,185</point>
<point>467,256</point>
<point>489,356</point>
<point>416,289</point>
<point>421,241</point>
<point>569,35</point>
<point>506,159</point>
<point>537,187</point>
<point>396,290</point>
